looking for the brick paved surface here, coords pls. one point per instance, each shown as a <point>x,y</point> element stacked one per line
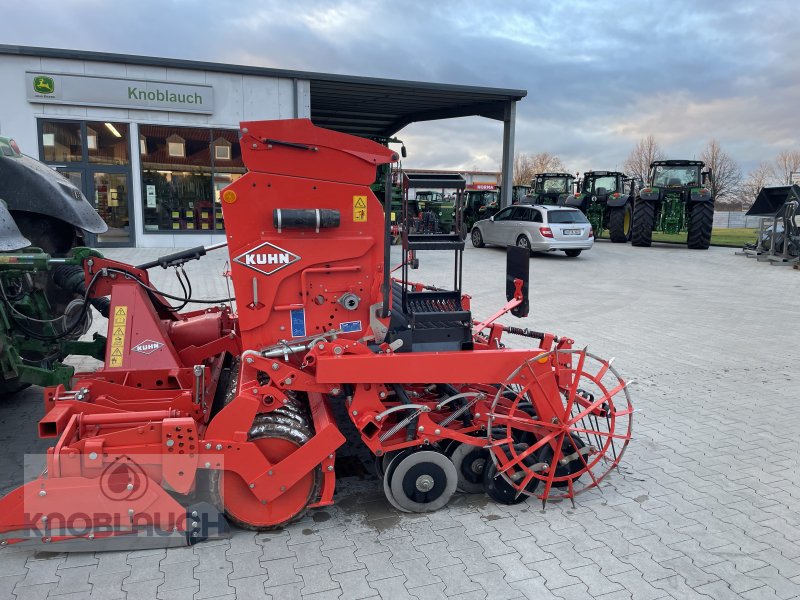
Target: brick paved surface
<point>707,505</point>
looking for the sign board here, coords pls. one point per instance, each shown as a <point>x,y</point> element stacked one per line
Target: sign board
<point>151,196</point>
<point>794,178</point>
<point>114,92</point>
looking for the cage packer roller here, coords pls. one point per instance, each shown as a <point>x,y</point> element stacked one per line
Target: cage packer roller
<point>215,411</point>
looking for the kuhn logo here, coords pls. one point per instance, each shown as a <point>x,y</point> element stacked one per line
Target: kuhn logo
<point>267,258</point>
<point>147,347</point>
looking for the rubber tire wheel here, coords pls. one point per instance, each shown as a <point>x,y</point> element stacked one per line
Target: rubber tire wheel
<point>498,489</point>
<point>8,387</point>
<point>477,238</point>
<point>616,223</point>
<point>644,214</point>
<point>524,243</point>
<point>572,253</point>
<point>701,222</point>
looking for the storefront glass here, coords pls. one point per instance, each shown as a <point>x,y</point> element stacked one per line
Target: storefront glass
<point>61,142</point>
<point>183,170</point>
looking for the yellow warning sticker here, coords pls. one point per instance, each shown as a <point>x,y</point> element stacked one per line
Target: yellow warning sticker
<point>359,209</point>
<point>116,354</point>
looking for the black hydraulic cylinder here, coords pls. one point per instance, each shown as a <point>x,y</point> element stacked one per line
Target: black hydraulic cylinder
<point>175,259</point>
<point>305,218</point>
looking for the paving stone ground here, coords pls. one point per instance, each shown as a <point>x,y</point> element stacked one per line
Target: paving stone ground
<point>707,504</point>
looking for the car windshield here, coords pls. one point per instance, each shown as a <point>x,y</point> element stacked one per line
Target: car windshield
<point>609,183</point>
<point>554,184</point>
<point>666,176</point>
<point>566,216</point>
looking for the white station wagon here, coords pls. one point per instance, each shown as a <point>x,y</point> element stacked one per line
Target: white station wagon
<point>536,227</point>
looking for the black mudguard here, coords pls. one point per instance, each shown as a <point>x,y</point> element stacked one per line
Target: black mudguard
<point>572,201</point>
<point>700,197</point>
<point>621,200</point>
<point>28,185</point>
<point>11,237</point>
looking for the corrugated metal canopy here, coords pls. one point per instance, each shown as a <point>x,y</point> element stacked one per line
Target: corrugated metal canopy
<point>358,105</point>
<point>382,107</point>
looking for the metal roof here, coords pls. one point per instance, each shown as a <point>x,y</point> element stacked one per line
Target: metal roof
<point>360,105</point>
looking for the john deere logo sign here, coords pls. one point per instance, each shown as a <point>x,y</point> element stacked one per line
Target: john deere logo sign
<point>118,92</point>
<point>44,85</point>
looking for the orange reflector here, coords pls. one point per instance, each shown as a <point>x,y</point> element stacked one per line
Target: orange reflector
<point>229,196</point>
<point>543,360</point>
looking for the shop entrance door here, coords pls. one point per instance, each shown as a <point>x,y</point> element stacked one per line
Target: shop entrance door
<point>109,193</point>
<point>94,157</point>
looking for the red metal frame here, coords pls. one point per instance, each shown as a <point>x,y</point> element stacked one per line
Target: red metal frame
<point>153,398</point>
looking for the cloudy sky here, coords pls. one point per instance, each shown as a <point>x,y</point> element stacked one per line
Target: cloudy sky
<point>599,75</point>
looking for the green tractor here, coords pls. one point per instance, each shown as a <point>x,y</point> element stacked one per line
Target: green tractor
<point>43,217</point>
<point>478,205</point>
<point>606,198</point>
<point>677,199</point>
<point>551,188</point>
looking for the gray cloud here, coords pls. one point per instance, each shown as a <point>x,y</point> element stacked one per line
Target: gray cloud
<point>599,75</point>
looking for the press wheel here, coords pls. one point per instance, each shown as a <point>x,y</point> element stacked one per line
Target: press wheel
<point>276,438</point>
<point>422,481</point>
<point>470,463</point>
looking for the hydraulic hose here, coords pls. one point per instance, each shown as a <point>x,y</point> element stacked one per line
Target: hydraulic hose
<point>71,279</point>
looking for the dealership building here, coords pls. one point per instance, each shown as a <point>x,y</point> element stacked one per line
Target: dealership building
<point>153,141</point>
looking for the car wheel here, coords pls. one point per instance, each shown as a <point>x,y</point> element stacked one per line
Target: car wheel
<point>572,253</point>
<point>523,242</point>
<point>477,238</point>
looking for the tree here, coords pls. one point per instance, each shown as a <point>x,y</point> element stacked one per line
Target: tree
<point>646,151</point>
<point>759,177</point>
<point>545,162</point>
<point>527,165</point>
<point>727,176</point>
<point>786,163</point>
<point>523,169</point>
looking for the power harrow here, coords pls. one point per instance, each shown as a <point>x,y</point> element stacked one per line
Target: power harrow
<point>220,411</point>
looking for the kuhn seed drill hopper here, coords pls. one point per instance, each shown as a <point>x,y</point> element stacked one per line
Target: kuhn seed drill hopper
<point>236,407</point>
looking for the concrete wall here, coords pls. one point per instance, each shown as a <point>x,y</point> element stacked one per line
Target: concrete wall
<point>236,98</point>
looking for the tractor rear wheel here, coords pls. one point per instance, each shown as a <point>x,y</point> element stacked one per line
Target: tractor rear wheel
<point>644,215</point>
<point>700,224</point>
<point>619,223</point>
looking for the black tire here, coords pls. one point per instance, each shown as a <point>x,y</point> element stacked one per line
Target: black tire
<point>620,220</point>
<point>9,387</point>
<point>701,222</point>
<point>523,242</point>
<point>477,238</point>
<point>572,253</point>
<point>644,214</point>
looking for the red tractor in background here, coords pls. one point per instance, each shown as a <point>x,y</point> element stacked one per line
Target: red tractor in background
<point>231,411</point>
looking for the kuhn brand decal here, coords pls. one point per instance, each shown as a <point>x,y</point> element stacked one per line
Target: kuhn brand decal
<point>267,258</point>
<point>147,347</point>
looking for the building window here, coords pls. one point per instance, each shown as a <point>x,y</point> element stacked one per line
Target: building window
<point>61,141</point>
<point>107,143</point>
<point>222,149</point>
<point>182,189</point>
<point>176,146</point>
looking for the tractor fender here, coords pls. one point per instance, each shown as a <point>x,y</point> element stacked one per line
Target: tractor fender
<point>571,200</point>
<point>617,201</point>
<point>653,195</point>
<point>28,185</point>
<point>700,196</point>
<point>11,237</point>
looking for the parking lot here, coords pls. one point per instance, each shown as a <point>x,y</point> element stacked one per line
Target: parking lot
<point>707,502</point>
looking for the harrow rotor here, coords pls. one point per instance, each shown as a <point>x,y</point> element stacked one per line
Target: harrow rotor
<point>576,435</point>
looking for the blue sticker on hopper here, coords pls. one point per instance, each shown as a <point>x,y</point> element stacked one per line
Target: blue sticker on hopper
<point>298,317</point>
<point>350,326</point>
